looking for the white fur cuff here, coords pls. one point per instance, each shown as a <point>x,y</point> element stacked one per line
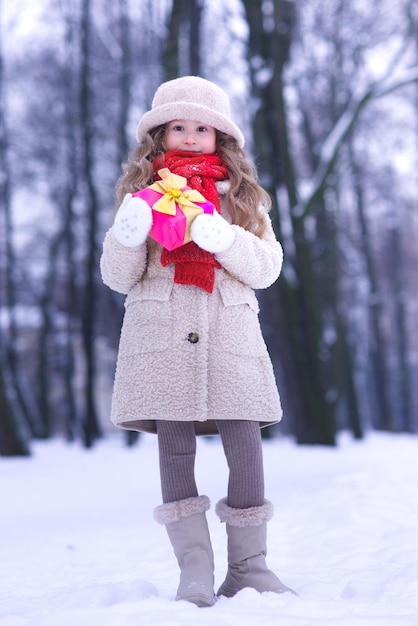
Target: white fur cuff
<point>174,511</point>
<point>253,516</point>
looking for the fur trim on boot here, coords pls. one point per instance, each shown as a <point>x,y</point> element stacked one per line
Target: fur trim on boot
<point>174,511</point>
<point>247,548</point>
<point>253,516</point>
<point>188,531</point>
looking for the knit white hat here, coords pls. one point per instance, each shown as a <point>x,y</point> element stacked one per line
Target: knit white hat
<point>190,98</point>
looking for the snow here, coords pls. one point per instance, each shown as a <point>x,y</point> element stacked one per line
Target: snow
<point>79,546</point>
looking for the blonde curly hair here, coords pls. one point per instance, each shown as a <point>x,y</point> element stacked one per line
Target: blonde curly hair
<point>244,197</point>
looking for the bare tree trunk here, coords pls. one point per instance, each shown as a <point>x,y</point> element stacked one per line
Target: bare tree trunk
<point>183,25</point>
<point>125,82</point>
<point>404,422</point>
<point>123,142</point>
<point>45,336</point>
<point>346,369</point>
<point>299,321</point>
<point>378,350</point>
<point>68,199</point>
<point>195,8</point>
<point>13,439</point>
<point>171,51</point>
<point>90,424</point>
<point>335,351</point>
<point>12,413</point>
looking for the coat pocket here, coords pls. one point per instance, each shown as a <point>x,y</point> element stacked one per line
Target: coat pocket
<point>147,324</point>
<point>238,331</point>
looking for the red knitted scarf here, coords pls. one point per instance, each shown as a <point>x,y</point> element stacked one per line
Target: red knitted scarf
<point>194,266</point>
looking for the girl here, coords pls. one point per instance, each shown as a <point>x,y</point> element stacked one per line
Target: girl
<point>192,359</point>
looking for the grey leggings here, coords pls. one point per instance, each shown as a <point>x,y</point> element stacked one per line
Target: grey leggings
<point>241,442</point>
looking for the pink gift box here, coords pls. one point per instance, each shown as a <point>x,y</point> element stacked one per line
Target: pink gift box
<point>171,231</point>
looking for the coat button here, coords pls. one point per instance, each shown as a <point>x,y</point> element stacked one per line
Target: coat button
<point>193,337</point>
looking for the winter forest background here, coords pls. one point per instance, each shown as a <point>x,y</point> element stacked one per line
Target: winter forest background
<point>327,96</point>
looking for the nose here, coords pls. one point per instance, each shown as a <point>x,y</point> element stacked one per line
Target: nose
<point>190,139</point>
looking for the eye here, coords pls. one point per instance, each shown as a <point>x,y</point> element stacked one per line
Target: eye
<point>177,127</point>
<point>202,129</point>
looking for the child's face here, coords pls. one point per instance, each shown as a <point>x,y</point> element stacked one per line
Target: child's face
<point>191,136</point>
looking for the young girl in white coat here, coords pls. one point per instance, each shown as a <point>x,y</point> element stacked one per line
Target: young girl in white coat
<point>192,359</point>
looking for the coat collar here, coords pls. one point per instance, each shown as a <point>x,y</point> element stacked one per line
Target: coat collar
<point>223,186</point>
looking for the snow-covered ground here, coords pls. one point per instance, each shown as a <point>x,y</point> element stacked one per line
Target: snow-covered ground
<point>79,547</point>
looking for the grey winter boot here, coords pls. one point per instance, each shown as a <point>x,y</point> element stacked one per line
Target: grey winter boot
<point>247,533</point>
<point>188,532</point>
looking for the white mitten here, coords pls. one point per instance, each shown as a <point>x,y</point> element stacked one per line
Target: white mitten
<point>212,232</point>
<point>133,221</point>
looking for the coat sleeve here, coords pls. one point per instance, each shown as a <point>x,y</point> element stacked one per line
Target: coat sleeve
<point>254,261</point>
<point>122,267</point>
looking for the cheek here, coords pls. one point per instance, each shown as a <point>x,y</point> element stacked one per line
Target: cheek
<point>210,144</point>
<point>169,141</point>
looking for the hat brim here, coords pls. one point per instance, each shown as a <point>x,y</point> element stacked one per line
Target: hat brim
<point>187,111</point>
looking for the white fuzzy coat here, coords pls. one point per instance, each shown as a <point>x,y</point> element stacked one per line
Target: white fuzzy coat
<point>160,374</point>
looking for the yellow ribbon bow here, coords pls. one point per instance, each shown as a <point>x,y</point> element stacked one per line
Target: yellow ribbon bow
<point>171,186</point>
